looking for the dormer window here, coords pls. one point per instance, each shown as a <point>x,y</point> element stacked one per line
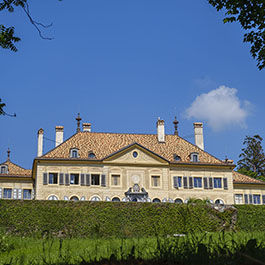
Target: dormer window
<point>194,157</point>
<point>176,157</point>
<point>91,155</point>
<point>4,169</point>
<point>74,153</point>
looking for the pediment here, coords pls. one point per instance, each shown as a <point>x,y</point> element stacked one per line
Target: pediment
<point>135,154</point>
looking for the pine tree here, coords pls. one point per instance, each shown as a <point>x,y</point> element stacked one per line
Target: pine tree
<point>252,156</point>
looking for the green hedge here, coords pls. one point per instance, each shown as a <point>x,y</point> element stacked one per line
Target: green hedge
<point>108,219</point>
<point>251,218</point>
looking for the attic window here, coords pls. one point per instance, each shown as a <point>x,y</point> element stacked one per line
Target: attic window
<point>177,158</point>
<point>74,153</point>
<point>4,169</point>
<point>194,157</point>
<point>135,154</point>
<point>91,155</point>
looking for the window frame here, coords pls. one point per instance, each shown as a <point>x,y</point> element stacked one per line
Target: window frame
<point>195,182</point>
<point>53,197</point>
<point>255,197</point>
<point>48,180</point>
<point>153,177</point>
<point>72,151</point>
<point>4,168</point>
<point>70,179</point>
<point>30,193</point>
<point>192,157</point>
<point>219,182</point>
<point>99,179</point>
<point>112,175</point>
<point>236,200</point>
<point>11,194</point>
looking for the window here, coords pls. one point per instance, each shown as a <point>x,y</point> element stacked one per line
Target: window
<point>194,157</point>
<point>197,182</point>
<point>53,198</point>
<point>91,155</point>
<point>53,178</point>
<point>7,193</point>
<point>256,199</point>
<point>74,153</point>
<point>74,198</point>
<point>116,199</point>
<point>156,200</point>
<point>95,179</point>
<point>95,198</point>
<point>135,154</point>
<point>74,179</point>
<point>177,158</point>
<point>115,180</point>
<point>178,201</point>
<point>217,182</point>
<point>155,181</point>
<point>238,198</point>
<point>26,194</point>
<point>4,169</point>
<point>220,202</point>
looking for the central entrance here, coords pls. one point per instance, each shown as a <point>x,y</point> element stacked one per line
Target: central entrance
<point>135,194</point>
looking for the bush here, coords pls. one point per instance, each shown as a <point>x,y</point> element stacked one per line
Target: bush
<point>109,219</point>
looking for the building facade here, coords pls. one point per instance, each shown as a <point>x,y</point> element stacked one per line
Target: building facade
<point>129,167</point>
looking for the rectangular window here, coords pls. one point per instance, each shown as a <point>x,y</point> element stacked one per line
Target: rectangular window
<point>53,178</point>
<point>155,181</point>
<point>7,193</point>
<point>95,179</point>
<point>26,194</point>
<point>185,182</point>
<point>115,180</point>
<point>74,179</point>
<point>246,198</point>
<point>263,199</point>
<point>256,199</point>
<point>250,198</point>
<point>197,182</point>
<point>238,198</point>
<point>179,182</point>
<point>217,183</point>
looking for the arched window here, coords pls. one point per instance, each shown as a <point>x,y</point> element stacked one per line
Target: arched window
<point>178,200</point>
<point>219,202</point>
<point>53,198</point>
<point>95,198</point>
<point>74,198</point>
<point>194,157</point>
<point>116,199</point>
<point>74,153</point>
<point>4,169</point>
<point>156,200</point>
<point>91,155</point>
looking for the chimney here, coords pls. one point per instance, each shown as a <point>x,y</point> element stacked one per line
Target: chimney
<point>40,142</point>
<point>198,134</point>
<point>58,135</point>
<point>86,127</point>
<point>160,126</point>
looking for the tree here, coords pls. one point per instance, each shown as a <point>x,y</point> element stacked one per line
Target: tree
<point>251,16</point>
<point>252,160</point>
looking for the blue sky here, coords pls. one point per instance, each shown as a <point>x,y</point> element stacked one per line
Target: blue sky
<point>122,64</point>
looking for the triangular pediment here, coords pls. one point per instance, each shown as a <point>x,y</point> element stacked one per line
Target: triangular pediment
<point>135,154</point>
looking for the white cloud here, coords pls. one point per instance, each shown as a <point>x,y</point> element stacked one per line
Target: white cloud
<point>221,108</point>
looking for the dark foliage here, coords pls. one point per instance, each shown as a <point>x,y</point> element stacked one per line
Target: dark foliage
<point>251,16</point>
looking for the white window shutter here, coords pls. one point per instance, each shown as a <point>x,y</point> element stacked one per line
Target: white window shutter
<point>15,194</point>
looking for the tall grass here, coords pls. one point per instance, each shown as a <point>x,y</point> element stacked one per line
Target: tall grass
<point>205,248</point>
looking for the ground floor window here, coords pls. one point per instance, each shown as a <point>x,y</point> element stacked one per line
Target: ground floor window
<point>116,199</point>
<point>74,198</point>
<point>95,198</point>
<point>178,200</point>
<point>219,201</point>
<point>238,198</point>
<point>26,194</point>
<point>256,199</point>
<point>156,200</point>
<point>7,193</point>
<point>53,198</point>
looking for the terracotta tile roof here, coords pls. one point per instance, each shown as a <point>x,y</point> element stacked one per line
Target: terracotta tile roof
<point>15,170</point>
<point>105,144</point>
<point>239,178</point>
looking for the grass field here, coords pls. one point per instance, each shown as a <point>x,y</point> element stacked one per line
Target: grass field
<point>205,248</point>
